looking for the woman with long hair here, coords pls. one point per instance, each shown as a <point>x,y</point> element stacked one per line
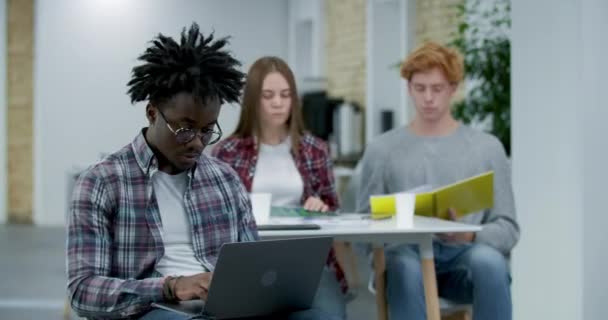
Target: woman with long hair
<point>273,153</point>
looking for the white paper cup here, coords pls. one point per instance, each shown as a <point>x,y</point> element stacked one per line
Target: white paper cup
<point>260,206</point>
<point>405,203</point>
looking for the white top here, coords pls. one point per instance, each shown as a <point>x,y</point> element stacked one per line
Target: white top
<point>276,173</point>
<point>177,239</point>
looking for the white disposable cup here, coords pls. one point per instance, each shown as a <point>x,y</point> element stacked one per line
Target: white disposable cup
<point>260,206</point>
<point>405,203</point>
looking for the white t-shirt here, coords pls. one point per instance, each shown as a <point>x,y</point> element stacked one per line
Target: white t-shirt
<point>276,173</point>
<point>179,256</point>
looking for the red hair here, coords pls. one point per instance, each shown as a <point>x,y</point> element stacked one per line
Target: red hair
<point>433,55</point>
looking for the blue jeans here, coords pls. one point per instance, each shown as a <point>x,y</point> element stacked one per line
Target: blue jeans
<point>329,304</point>
<point>469,273</point>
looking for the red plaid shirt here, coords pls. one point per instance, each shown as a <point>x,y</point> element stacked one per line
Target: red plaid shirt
<point>313,163</point>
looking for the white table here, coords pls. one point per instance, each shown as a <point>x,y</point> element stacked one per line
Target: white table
<point>381,232</point>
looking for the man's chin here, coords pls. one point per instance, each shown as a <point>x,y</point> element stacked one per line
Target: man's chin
<point>183,164</point>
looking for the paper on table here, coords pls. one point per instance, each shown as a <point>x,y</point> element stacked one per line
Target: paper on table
<point>339,221</point>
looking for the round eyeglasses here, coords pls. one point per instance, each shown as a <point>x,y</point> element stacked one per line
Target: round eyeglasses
<point>185,135</point>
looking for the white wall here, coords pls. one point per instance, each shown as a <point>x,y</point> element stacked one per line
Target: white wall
<point>306,42</point>
<point>84,52</point>
<point>384,93</point>
<point>390,37</point>
<point>3,112</point>
<point>559,158</point>
<point>594,15</point>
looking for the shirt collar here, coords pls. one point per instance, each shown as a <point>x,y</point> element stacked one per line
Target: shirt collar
<point>143,153</point>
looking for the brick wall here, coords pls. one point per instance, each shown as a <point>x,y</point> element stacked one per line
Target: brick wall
<point>346,49</point>
<point>436,20</point>
<point>20,48</point>
<point>346,53</point>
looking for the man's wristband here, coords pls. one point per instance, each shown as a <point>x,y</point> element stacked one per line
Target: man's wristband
<point>168,289</point>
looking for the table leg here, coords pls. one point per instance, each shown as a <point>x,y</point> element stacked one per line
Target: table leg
<point>429,278</point>
<point>380,280</point>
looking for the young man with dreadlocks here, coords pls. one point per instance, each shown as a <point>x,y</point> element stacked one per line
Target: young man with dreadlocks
<point>147,222</point>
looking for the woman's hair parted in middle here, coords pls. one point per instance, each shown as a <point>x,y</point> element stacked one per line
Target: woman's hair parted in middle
<point>249,121</point>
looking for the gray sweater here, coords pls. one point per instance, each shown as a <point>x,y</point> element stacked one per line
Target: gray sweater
<point>400,160</point>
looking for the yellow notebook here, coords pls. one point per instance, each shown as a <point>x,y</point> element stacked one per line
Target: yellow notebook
<point>465,196</point>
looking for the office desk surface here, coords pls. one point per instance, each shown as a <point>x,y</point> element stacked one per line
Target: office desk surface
<point>387,230</point>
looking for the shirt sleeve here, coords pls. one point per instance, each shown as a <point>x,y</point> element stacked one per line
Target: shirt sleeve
<point>247,228</point>
<point>500,229</point>
<point>327,186</point>
<point>92,291</point>
<point>371,179</point>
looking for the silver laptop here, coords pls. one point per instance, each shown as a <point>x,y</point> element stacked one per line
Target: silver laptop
<point>261,278</point>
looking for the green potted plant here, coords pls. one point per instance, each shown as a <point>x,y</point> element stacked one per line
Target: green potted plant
<point>483,39</point>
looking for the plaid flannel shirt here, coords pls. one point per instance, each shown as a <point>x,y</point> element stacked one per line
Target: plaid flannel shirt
<point>312,160</point>
<point>114,229</point>
<point>313,163</point>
